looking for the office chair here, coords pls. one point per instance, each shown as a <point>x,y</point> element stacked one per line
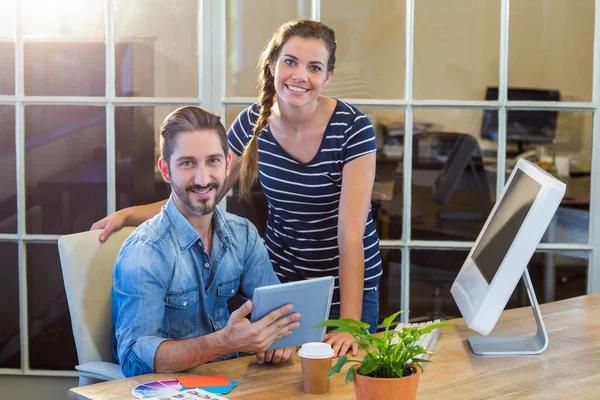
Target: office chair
<point>87,266</point>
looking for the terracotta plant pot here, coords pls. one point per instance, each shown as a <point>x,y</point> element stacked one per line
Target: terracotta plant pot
<point>367,388</point>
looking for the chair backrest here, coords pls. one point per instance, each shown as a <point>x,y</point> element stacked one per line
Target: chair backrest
<point>87,266</point>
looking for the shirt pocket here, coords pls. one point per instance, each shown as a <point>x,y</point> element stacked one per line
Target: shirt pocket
<point>181,313</point>
<point>225,290</point>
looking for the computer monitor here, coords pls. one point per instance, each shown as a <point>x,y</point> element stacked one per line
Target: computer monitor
<point>501,253</point>
<point>522,126</point>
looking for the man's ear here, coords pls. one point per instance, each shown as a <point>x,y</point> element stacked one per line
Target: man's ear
<point>163,167</point>
<point>228,168</point>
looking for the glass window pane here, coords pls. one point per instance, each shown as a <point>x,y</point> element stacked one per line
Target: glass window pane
<point>371,47</point>
<point>64,50</point>
<point>561,143</point>
<point>8,164</point>
<point>7,72</point>
<point>231,113</point>
<point>551,47</point>
<point>457,48</point>
<point>65,172</point>
<point>390,288</point>
<point>387,196</point>
<point>454,180</point>
<point>10,341</point>
<point>7,20</point>
<point>156,52</point>
<point>137,137</point>
<point>51,343</point>
<point>7,48</point>
<point>558,275</point>
<point>432,273</point>
<point>249,29</point>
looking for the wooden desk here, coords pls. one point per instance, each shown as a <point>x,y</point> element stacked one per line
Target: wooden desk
<point>569,368</point>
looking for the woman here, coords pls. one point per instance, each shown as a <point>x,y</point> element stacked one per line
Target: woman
<point>315,157</point>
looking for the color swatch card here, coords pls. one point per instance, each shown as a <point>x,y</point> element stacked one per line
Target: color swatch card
<point>171,390</point>
<point>220,389</point>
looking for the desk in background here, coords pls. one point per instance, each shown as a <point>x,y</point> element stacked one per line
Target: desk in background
<point>569,368</point>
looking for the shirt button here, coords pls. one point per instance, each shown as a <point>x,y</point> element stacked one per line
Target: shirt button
<point>232,291</point>
<point>185,303</point>
<point>206,265</point>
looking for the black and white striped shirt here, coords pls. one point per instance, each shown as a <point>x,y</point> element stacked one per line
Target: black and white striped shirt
<point>304,199</point>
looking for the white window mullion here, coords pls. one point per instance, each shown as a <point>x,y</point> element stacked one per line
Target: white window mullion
<point>38,372</point>
<point>214,22</point>
<point>40,238</point>
<point>502,95</point>
<point>218,75</point>
<point>153,101</point>
<point>111,185</point>
<point>21,195</point>
<point>203,42</point>
<point>594,263</point>
<point>391,244</point>
<point>315,10</point>
<point>65,100</point>
<point>407,158</point>
<point>8,100</point>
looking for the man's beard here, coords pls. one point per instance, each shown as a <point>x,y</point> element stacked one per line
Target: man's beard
<point>208,204</point>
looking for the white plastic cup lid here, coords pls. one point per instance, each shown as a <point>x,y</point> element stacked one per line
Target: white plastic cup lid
<point>316,350</point>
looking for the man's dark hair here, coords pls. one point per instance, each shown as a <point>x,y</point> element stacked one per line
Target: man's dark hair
<point>189,119</point>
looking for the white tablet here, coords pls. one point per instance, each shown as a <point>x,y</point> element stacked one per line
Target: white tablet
<point>311,298</point>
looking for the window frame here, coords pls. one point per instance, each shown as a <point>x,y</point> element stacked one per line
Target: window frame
<point>211,94</point>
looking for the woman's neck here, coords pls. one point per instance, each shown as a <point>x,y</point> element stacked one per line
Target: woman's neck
<point>296,118</point>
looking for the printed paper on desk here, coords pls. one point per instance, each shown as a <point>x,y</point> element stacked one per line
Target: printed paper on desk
<point>195,394</point>
<point>203,381</point>
<point>172,390</point>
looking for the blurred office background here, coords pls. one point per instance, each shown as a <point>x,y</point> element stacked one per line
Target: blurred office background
<point>84,87</point>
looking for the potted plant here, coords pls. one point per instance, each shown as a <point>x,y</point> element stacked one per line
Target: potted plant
<point>391,367</point>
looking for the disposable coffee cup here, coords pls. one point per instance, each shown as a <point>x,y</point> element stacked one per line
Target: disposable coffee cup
<point>316,360</point>
<point>562,166</point>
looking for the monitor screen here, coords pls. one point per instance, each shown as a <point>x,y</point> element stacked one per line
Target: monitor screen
<point>531,126</point>
<point>505,223</point>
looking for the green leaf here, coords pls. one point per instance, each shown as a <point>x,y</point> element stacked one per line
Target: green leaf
<point>388,321</point>
<point>353,330</point>
<point>376,340</point>
<point>398,370</point>
<point>369,364</point>
<point>350,374</point>
<point>431,327</point>
<point>420,360</point>
<point>343,322</point>
<point>337,368</point>
<point>332,322</point>
<point>354,322</point>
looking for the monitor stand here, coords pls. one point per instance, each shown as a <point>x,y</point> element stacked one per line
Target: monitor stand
<point>507,346</point>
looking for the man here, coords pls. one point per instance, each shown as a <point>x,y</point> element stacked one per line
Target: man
<point>175,273</point>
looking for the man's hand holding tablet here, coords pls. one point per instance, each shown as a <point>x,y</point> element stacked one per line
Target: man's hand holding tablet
<point>258,336</point>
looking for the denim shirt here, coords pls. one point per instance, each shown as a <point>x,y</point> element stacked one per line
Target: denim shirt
<point>166,287</point>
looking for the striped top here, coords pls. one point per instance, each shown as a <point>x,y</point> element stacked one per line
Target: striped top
<point>304,199</point>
